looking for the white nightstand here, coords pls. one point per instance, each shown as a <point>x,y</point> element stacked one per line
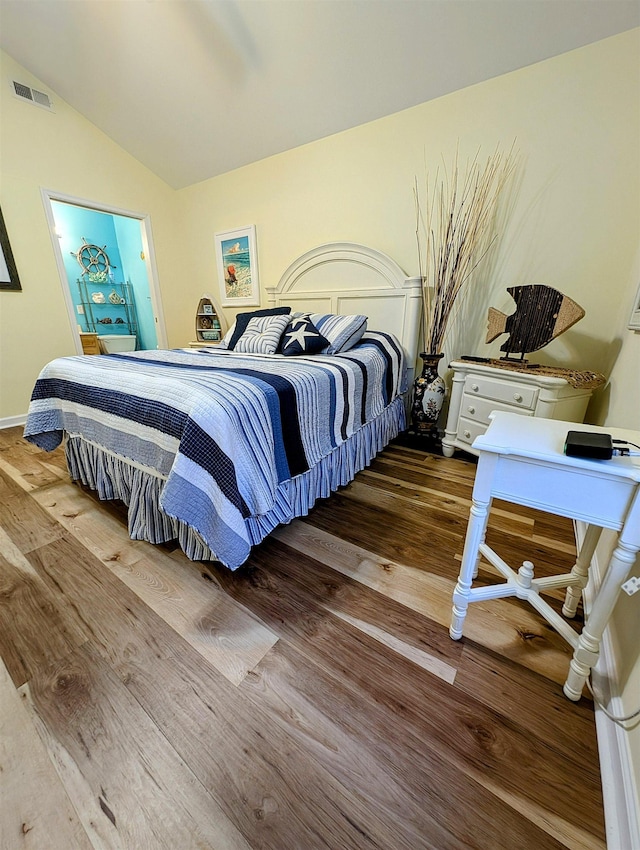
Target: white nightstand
<point>523,461</point>
<point>480,388</point>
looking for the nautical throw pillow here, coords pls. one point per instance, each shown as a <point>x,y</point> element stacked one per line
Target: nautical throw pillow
<point>301,337</point>
<point>243,319</point>
<point>262,335</point>
<point>342,332</point>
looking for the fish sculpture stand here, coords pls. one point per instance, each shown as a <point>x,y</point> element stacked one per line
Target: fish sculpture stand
<point>541,314</point>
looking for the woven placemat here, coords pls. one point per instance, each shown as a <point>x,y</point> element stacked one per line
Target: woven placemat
<point>581,379</point>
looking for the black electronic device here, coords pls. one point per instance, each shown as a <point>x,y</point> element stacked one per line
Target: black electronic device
<point>588,444</point>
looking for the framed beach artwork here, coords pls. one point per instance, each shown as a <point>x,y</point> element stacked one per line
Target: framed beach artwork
<point>8,272</point>
<point>236,260</point>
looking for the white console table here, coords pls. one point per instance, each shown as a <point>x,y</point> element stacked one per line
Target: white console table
<point>480,388</point>
<point>522,460</point>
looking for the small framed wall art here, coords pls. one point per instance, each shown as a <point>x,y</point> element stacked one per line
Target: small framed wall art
<point>9,279</point>
<point>634,319</point>
<point>236,261</point>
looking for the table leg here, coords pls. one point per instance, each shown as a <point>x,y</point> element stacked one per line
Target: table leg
<point>581,570</point>
<point>478,518</point>
<point>588,648</point>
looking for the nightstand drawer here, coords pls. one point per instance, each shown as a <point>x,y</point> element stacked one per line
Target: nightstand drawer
<point>508,392</point>
<point>468,430</point>
<point>478,409</point>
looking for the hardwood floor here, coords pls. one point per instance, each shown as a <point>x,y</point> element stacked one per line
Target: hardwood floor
<point>312,699</point>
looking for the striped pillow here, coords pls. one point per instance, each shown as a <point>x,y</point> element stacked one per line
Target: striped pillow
<point>239,326</point>
<point>342,332</point>
<point>262,335</point>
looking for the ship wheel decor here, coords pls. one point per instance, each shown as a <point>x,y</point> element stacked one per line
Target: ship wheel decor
<point>93,260</point>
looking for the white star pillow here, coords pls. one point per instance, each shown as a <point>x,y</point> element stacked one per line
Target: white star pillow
<point>301,337</point>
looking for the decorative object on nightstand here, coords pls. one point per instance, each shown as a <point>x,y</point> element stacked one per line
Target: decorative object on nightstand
<point>455,229</point>
<point>541,314</point>
<point>208,324</point>
<point>479,388</point>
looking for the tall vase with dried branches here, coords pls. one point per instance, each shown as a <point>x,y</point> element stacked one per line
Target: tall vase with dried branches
<point>455,228</point>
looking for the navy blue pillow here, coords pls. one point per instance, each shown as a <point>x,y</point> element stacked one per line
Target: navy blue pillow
<point>301,336</point>
<point>243,319</point>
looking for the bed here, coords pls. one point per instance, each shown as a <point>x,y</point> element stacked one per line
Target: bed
<point>216,447</point>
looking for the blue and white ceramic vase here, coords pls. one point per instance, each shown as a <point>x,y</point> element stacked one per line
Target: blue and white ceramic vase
<point>428,396</point>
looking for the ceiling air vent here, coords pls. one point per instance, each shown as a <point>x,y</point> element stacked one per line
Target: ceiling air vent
<point>38,98</point>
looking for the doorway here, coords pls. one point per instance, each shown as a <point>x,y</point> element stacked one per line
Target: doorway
<point>107,271</point>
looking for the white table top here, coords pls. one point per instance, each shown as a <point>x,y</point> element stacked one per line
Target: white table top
<point>544,439</point>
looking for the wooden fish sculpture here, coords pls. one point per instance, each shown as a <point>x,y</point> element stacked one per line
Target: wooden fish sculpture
<point>542,314</point>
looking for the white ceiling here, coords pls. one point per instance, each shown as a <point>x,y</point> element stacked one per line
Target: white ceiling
<point>194,88</point>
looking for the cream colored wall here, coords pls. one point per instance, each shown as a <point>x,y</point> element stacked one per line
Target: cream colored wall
<point>64,152</point>
<point>622,409</point>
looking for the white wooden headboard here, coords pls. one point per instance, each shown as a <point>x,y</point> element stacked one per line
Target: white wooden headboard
<point>345,278</point>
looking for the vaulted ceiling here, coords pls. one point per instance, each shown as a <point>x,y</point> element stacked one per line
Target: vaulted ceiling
<point>195,88</point>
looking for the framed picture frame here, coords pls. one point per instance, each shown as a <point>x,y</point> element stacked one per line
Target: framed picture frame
<point>237,265</point>
<point>207,309</point>
<point>9,279</point>
<point>634,319</point>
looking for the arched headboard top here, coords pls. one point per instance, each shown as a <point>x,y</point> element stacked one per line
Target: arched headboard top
<point>347,278</point>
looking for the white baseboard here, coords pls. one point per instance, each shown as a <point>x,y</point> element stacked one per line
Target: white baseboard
<point>619,789</point>
<point>12,421</point>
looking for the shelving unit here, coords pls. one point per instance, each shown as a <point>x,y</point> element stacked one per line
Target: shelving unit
<point>114,301</point>
<point>209,330</point>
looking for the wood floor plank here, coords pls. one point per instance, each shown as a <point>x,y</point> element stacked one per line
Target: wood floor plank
<point>23,519</point>
<point>35,804</point>
<point>131,787</point>
<point>496,624</point>
<point>519,695</point>
<point>26,464</point>
<point>437,498</point>
<point>34,629</point>
<point>227,636</point>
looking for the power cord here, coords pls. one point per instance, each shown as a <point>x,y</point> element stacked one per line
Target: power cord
<point>625,451</point>
<point>603,708</point>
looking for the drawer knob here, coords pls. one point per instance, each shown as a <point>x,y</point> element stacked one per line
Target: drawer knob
<point>517,396</point>
<point>475,387</point>
<point>467,434</point>
<point>471,409</point>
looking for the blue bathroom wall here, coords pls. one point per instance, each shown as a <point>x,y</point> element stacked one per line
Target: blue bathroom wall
<point>120,238</point>
<point>129,239</point>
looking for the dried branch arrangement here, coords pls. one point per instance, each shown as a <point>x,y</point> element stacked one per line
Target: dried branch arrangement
<point>454,232</point>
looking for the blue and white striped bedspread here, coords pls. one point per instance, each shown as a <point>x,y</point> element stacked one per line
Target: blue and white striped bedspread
<point>221,430</point>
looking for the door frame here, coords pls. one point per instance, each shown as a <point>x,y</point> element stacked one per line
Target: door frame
<point>49,195</point>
